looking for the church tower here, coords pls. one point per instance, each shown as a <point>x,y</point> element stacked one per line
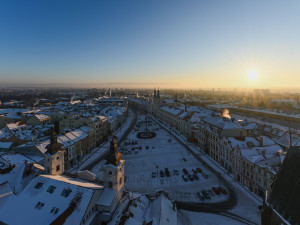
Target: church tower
<point>54,156</point>
<point>113,171</point>
<point>156,102</point>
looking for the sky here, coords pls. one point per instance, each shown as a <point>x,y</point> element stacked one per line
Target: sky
<point>150,43</point>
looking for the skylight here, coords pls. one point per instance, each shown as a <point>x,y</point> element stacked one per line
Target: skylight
<point>66,192</point>
<point>51,189</point>
<point>39,205</point>
<point>38,185</point>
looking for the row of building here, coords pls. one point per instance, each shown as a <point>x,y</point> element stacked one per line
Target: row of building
<point>251,152</point>
<point>80,128</point>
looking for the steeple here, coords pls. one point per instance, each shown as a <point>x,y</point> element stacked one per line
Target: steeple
<point>114,156</point>
<point>54,146</point>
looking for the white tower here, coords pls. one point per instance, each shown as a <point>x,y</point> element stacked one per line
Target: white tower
<point>54,156</point>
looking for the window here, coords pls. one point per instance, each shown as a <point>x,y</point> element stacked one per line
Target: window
<point>39,205</point>
<point>66,192</point>
<point>51,189</point>
<point>110,184</point>
<point>57,168</point>
<point>54,210</point>
<point>120,182</point>
<point>110,173</point>
<point>38,185</point>
<point>57,157</point>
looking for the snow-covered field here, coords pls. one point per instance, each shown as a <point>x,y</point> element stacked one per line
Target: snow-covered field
<point>164,152</point>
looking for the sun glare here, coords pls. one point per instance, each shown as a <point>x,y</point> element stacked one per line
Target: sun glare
<point>252,75</point>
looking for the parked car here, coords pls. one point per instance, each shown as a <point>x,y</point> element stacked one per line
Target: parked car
<point>161,173</point>
<point>194,171</point>
<point>184,159</point>
<point>185,178</point>
<point>147,147</point>
<point>223,191</point>
<point>191,177</point>
<point>167,172</point>
<point>211,193</point>
<point>216,190</point>
<point>204,175</point>
<point>206,194</point>
<point>176,172</point>
<point>153,173</point>
<point>200,196</point>
<point>199,170</point>
<point>185,171</point>
<point>195,176</point>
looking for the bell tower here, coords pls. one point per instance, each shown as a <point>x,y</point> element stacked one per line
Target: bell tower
<point>113,170</point>
<point>54,156</point>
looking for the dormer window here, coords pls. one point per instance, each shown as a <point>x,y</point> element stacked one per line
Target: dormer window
<point>54,210</point>
<point>51,189</point>
<point>66,192</point>
<point>38,185</point>
<point>39,205</point>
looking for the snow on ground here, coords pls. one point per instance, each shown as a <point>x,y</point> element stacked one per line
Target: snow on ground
<point>248,202</point>
<point>162,154</point>
<point>195,218</point>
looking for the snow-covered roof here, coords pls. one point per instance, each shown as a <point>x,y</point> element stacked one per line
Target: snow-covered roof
<point>42,117</point>
<point>107,197</point>
<point>47,197</point>
<point>6,144</point>
<point>161,212</point>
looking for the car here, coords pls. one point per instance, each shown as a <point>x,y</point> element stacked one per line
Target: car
<point>176,172</point>
<point>223,191</point>
<point>191,177</point>
<point>185,178</point>
<point>195,176</point>
<point>204,175</point>
<point>216,190</point>
<point>199,170</point>
<point>185,171</point>
<point>205,194</point>
<point>184,159</point>
<point>161,173</point>
<point>200,196</point>
<point>147,147</point>
<point>167,172</point>
<point>194,171</point>
<point>211,193</point>
<point>153,173</point>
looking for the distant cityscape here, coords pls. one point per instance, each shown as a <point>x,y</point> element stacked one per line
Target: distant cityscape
<point>90,156</point>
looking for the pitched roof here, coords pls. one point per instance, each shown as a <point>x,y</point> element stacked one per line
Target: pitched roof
<point>284,195</point>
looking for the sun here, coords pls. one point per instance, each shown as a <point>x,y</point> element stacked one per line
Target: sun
<point>252,75</point>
